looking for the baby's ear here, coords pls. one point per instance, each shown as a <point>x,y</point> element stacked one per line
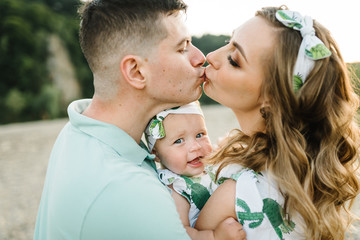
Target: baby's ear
<point>157,159</point>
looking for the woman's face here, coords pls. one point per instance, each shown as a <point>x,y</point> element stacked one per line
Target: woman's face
<point>236,71</point>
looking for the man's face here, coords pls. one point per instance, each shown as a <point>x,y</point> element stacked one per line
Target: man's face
<point>175,72</point>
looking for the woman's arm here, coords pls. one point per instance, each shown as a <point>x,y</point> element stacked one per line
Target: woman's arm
<point>220,206</point>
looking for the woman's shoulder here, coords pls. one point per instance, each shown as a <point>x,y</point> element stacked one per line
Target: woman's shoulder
<point>259,205</point>
<point>224,174</point>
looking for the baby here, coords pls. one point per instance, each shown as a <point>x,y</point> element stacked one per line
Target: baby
<point>178,138</point>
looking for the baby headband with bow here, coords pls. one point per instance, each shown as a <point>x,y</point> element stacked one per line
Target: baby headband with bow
<point>311,48</point>
<point>155,129</point>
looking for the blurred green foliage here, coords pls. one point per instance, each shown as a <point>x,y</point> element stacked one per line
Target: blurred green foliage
<point>208,43</point>
<point>26,88</point>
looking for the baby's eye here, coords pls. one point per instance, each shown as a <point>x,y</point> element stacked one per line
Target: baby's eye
<point>178,141</point>
<point>199,135</point>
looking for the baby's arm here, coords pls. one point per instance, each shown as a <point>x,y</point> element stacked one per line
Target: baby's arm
<point>227,229</point>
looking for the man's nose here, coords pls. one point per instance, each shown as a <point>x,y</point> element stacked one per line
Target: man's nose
<point>197,58</point>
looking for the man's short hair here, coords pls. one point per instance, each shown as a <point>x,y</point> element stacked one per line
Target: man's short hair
<point>130,25</point>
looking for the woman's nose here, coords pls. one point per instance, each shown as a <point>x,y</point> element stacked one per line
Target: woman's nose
<point>210,58</point>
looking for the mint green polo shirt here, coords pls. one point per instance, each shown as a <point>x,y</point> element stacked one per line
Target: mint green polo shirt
<point>100,184</point>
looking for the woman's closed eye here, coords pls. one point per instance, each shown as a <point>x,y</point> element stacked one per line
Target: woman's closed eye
<point>232,62</point>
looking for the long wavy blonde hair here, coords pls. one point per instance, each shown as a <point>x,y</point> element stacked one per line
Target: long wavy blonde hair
<point>311,142</point>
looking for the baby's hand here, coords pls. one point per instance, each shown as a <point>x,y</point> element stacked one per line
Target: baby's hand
<point>229,229</point>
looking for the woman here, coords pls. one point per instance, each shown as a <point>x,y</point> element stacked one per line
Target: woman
<point>298,143</point>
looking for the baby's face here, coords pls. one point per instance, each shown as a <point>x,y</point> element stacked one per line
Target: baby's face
<point>185,144</point>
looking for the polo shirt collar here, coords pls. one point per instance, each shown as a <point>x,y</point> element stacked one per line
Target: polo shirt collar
<point>107,133</point>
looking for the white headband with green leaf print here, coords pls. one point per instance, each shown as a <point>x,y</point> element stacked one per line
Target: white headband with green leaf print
<point>155,129</point>
<point>311,48</point>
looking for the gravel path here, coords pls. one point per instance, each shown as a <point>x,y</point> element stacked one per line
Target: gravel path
<point>24,153</point>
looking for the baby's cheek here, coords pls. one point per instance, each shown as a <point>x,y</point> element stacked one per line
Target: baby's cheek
<point>208,147</point>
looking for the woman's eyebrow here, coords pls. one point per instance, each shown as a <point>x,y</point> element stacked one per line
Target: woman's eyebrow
<point>241,50</point>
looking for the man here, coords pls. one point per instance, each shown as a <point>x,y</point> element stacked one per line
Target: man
<point>100,183</point>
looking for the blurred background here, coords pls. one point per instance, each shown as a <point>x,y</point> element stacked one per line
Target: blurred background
<point>42,70</point>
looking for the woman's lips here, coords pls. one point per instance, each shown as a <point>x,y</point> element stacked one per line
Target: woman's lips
<point>205,75</point>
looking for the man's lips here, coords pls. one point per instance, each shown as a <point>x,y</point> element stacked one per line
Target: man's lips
<point>202,76</point>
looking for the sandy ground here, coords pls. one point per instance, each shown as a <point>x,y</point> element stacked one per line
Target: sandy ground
<point>24,152</point>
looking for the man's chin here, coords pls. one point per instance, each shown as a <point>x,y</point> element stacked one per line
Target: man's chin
<point>200,94</point>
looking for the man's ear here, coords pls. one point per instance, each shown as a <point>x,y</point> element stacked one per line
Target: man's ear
<point>131,67</point>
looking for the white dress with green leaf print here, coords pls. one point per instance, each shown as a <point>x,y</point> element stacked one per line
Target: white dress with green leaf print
<point>259,208</point>
<point>196,190</point>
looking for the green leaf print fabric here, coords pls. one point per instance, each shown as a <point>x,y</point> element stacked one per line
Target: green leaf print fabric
<point>311,48</point>
<point>196,190</point>
<point>259,208</point>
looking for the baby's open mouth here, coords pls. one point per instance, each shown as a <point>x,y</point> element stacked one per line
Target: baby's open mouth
<point>196,162</point>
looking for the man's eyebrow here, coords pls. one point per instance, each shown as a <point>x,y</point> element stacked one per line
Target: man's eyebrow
<point>181,42</point>
<point>241,50</point>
